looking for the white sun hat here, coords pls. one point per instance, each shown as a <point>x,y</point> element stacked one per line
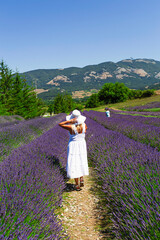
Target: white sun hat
<point>76,114</point>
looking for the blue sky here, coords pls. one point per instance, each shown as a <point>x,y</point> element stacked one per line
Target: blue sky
<point>46,34</point>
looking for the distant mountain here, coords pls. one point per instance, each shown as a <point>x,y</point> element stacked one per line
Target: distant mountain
<point>134,73</point>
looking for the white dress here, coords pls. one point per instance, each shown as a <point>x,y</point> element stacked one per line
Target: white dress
<point>77,163</point>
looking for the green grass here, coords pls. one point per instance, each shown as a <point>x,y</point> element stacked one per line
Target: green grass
<point>18,118</point>
<point>134,102</point>
<point>128,103</point>
<point>136,114</point>
<point>152,110</point>
<point>100,108</point>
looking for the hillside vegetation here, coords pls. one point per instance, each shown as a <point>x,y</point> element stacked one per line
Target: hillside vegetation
<point>127,104</point>
<point>134,73</point>
<point>16,96</point>
<point>124,152</point>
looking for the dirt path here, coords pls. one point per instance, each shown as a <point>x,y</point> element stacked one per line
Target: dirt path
<point>79,213</point>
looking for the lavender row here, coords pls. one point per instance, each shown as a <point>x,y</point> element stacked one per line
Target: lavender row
<point>10,120</point>
<point>16,135</point>
<point>140,132</point>
<point>147,106</point>
<point>129,175</point>
<point>136,119</point>
<point>7,124</point>
<point>32,182</point>
<point>152,114</point>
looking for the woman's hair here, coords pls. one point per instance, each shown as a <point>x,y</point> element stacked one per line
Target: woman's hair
<point>79,128</point>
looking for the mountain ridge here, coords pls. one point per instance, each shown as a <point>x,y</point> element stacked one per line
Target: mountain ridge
<point>140,73</point>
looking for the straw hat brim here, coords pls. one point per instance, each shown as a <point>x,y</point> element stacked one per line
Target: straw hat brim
<point>80,119</point>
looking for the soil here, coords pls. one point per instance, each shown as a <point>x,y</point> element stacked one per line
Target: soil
<point>81,214</point>
<point>82,93</point>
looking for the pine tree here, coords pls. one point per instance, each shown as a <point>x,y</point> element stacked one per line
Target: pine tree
<point>63,103</point>
<point>58,104</point>
<point>16,96</point>
<point>6,79</point>
<point>15,100</point>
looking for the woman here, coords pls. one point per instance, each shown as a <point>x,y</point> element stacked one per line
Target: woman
<point>77,163</point>
<point>107,112</point>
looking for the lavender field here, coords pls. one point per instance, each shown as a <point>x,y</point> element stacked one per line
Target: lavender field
<point>130,127</point>
<point>128,172</point>
<point>144,113</point>
<point>33,177</point>
<point>13,135</point>
<point>32,182</point>
<point>145,107</point>
<point>136,119</point>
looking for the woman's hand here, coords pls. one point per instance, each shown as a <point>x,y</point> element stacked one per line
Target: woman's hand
<point>74,120</point>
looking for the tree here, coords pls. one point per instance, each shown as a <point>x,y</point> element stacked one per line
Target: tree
<point>112,93</point>
<point>147,93</point>
<point>6,80</point>
<point>50,108</point>
<point>15,100</point>
<point>140,93</point>
<point>135,94</point>
<point>16,96</point>
<point>93,101</point>
<point>67,103</point>
<point>58,102</point>
<point>63,103</point>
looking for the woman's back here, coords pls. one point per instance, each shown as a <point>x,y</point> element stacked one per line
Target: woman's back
<point>78,132</point>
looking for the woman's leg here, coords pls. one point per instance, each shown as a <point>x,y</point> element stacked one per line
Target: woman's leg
<point>77,186</point>
<point>76,181</point>
<point>81,182</point>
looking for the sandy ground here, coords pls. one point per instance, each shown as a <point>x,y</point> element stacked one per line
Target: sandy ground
<point>81,214</point>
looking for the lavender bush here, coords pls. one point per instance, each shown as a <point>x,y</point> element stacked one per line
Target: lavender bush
<point>129,174</point>
<point>147,106</point>
<point>140,132</point>
<point>9,124</point>
<point>32,181</point>
<point>152,114</point>
<point>16,135</point>
<point>136,119</point>
<point>10,120</point>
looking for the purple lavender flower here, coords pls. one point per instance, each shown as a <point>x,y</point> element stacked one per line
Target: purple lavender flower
<point>32,182</point>
<point>138,131</point>
<point>128,172</point>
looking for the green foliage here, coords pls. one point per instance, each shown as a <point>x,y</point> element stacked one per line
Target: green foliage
<point>16,97</point>
<point>147,93</point>
<point>6,80</point>
<point>113,93</point>
<point>76,77</point>
<point>133,94</point>
<point>78,106</point>
<point>3,110</point>
<point>51,108</point>
<point>63,103</point>
<point>93,101</point>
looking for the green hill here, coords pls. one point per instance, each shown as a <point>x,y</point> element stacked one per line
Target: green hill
<point>134,73</point>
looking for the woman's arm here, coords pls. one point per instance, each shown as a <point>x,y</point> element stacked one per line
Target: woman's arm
<point>85,128</point>
<point>68,127</point>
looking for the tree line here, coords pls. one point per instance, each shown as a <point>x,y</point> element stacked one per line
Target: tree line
<point>114,93</point>
<point>16,96</point>
<point>109,93</point>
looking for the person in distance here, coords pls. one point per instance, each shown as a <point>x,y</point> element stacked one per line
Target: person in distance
<point>77,163</point>
<point>107,112</point>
